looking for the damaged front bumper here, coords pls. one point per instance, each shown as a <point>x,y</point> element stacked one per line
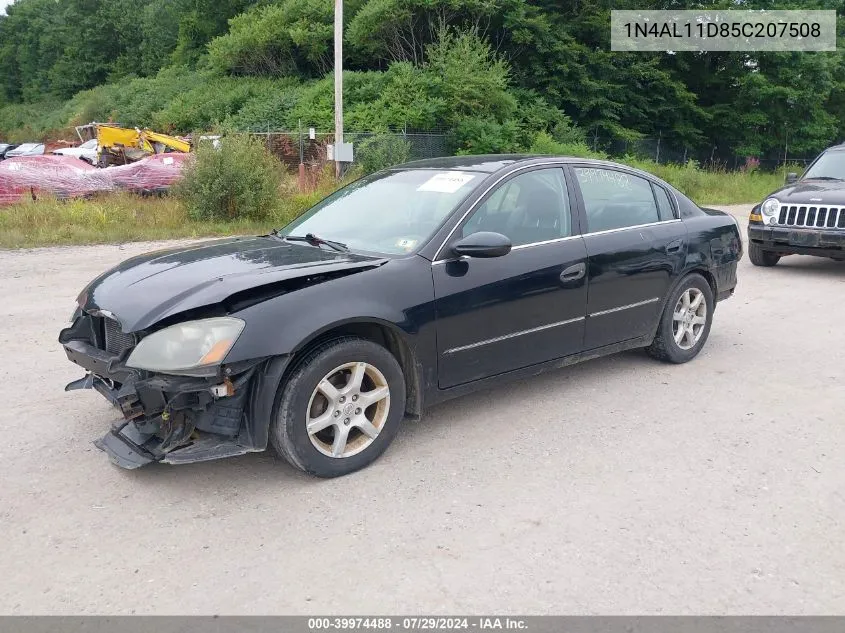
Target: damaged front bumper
<point>171,419</point>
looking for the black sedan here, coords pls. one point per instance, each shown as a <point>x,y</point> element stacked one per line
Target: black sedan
<point>404,289</point>
<point>805,217</point>
<point>5,147</point>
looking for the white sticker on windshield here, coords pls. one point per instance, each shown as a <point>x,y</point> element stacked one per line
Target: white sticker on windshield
<point>446,182</point>
<point>406,243</point>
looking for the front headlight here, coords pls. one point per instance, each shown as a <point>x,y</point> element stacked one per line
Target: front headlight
<point>769,209</point>
<point>187,348</point>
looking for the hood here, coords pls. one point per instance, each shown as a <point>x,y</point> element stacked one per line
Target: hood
<point>74,151</point>
<point>818,192</point>
<point>26,149</point>
<point>146,289</point>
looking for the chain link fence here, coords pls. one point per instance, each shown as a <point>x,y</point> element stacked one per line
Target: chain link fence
<point>370,149</point>
<point>374,150</point>
<point>662,150</point>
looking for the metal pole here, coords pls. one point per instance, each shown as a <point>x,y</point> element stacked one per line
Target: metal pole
<point>338,81</point>
<point>659,138</point>
<point>301,176</point>
<point>785,147</point>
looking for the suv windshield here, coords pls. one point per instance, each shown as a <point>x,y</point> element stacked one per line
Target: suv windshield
<point>831,164</point>
<point>392,212</point>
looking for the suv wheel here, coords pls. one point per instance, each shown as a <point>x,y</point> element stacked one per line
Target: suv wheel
<point>761,257</point>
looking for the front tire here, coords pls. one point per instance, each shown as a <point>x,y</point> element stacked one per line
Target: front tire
<point>685,322</point>
<point>761,257</point>
<point>340,408</point>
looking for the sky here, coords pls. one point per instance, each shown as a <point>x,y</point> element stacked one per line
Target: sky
<point>4,4</point>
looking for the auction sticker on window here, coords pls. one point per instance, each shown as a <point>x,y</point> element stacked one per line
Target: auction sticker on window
<point>406,243</point>
<point>446,181</point>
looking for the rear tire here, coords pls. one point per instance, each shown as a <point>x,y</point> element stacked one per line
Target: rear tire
<point>761,257</point>
<point>340,407</point>
<point>685,323</point>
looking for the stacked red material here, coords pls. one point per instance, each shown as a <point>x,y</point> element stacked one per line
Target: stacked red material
<point>68,177</point>
<point>153,174</point>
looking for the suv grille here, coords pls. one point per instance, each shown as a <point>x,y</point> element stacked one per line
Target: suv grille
<point>812,217</point>
<point>116,340</point>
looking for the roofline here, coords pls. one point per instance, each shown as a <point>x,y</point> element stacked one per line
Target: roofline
<point>521,159</point>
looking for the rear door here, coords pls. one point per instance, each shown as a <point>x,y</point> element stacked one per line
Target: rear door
<point>636,246</point>
<point>500,314</point>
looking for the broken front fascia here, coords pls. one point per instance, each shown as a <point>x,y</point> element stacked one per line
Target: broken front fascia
<point>174,419</point>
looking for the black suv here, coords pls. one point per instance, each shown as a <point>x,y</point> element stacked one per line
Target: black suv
<point>804,217</point>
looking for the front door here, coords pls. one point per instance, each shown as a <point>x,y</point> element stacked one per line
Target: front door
<point>635,245</point>
<point>500,314</point>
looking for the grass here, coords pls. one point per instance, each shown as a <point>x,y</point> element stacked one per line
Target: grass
<point>124,217</point>
<point>707,187</point>
<point>105,219</point>
<point>116,218</point>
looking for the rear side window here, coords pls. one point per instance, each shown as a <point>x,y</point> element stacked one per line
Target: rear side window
<point>664,206</point>
<point>615,199</point>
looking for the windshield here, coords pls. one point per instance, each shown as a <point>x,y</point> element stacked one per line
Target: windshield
<point>392,212</point>
<point>26,148</point>
<point>831,164</point>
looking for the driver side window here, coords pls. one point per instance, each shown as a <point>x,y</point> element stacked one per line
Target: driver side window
<point>529,208</point>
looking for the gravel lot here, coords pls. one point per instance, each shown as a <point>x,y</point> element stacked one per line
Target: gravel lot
<point>618,486</point>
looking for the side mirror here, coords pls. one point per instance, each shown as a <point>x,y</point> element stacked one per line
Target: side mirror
<point>483,244</point>
<point>791,177</point>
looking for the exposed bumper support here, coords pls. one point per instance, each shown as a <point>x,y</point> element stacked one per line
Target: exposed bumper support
<point>123,452</point>
<point>174,419</point>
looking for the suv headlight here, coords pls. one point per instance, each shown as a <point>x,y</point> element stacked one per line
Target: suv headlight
<point>769,210</point>
<point>191,348</point>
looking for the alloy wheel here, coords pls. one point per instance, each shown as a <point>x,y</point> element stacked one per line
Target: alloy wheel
<point>689,318</point>
<point>348,409</point>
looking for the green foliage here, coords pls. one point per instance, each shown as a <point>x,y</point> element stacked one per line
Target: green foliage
<point>401,30</point>
<point>222,100</point>
<point>469,78</point>
<point>712,186</point>
<point>240,180</point>
<point>461,80</point>
<point>545,143</point>
<point>493,73</point>
<point>291,37</point>
<point>381,151</point>
<point>484,136</point>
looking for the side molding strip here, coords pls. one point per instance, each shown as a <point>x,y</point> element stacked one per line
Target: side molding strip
<point>512,335</point>
<point>627,307</point>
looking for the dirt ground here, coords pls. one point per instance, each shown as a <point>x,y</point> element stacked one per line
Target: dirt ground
<point>619,486</point>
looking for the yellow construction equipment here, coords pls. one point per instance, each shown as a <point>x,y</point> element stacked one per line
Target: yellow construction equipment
<point>118,145</point>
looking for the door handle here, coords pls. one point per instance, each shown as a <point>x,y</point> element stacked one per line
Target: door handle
<point>674,247</point>
<point>574,273</point>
